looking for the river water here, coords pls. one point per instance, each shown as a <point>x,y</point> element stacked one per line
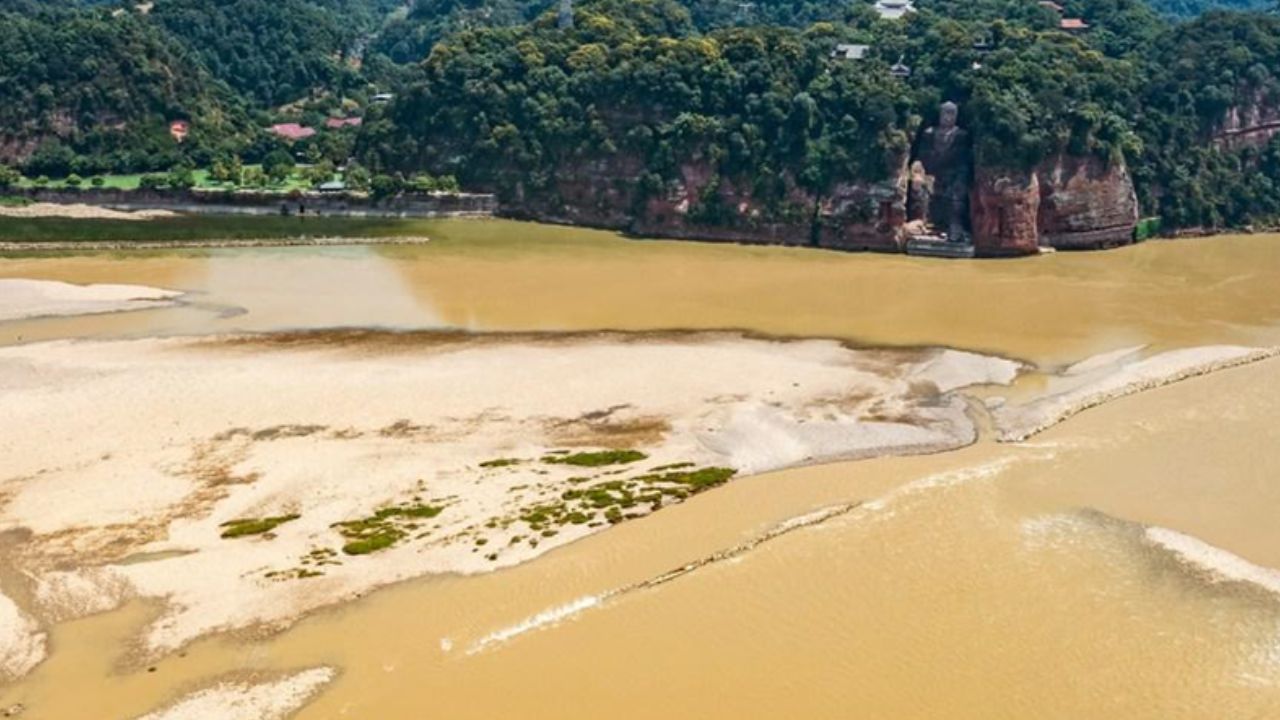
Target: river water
<point>999,581</point>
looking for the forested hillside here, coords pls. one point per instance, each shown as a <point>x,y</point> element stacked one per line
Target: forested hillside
<point>1194,8</point>
<point>636,85</point>
<point>272,51</point>
<point>91,91</point>
<point>640,93</point>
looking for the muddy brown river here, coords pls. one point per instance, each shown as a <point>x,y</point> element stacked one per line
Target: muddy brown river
<point>1017,580</point>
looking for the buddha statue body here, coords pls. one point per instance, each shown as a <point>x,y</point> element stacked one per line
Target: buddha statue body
<point>940,185</point>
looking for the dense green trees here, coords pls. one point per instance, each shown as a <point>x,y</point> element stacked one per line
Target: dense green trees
<point>9,177</point>
<point>273,51</point>
<point>90,91</point>
<point>638,91</point>
<point>493,93</point>
<point>507,108</point>
<point>1194,8</point>
<point>1205,75</point>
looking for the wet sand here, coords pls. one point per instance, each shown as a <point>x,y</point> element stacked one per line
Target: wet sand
<point>78,211</point>
<point>28,299</point>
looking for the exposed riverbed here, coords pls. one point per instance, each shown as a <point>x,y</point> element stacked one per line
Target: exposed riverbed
<point>1116,565</point>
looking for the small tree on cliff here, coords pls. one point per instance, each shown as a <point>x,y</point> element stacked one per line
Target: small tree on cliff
<point>226,169</point>
<point>181,178</point>
<point>357,177</point>
<point>9,178</point>
<point>385,186</point>
<point>278,165</point>
<point>253,177</point>
<point>320,173</point>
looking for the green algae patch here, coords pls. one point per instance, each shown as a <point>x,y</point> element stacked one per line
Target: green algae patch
<point>697,480</point>
<point>253,526</point>
<point>500,463</point>
<point>597,459</point>
<point>674,466</point>
<point>384,528</point>
<point>616,500</point>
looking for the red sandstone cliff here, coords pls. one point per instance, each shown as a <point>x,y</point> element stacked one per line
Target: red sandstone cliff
<point>702,205</point>
<point>1086,204</point>
<point>865,216</point>
<point>1003,208</point>
<point>1068,203</point>
<point>681,211</point>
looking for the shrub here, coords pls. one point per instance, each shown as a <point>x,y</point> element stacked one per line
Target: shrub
<point>9,177</point>
<point>254,526</point>
<point>598,459</point>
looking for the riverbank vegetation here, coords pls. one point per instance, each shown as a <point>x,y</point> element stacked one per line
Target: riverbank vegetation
<point>179,229</point>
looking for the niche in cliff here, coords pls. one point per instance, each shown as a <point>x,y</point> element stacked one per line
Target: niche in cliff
<point>940,176</point>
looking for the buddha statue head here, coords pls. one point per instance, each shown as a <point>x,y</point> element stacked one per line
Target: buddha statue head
<point>947,114</point>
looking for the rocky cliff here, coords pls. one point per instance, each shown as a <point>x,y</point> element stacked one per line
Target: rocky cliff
<point>702,205</point>
<point>1066,202</point>
<point>1249,124</point>
<point>1086,204</point>
<point>1004,211</point>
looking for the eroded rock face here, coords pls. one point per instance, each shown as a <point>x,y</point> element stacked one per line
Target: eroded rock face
<point>702,205</point>
<point>595,193</point>
<point>867,215</point>
<point>1066,202</point>
<point>1004,211</point>
<point>1085,204</point>
<point>1249,124</point>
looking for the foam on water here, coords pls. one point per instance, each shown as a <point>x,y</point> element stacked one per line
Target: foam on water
<point>733,554</point>
<point>542,619</point>
<point>1222,565</point>
<point>813,519</point>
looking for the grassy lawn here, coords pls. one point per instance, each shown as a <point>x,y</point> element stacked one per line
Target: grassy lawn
<point>114,182</point>
<point>132,181</point>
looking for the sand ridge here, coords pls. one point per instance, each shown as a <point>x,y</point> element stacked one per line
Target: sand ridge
<point>245,700</point>
<point>79,211</point>
<point>22,299</point>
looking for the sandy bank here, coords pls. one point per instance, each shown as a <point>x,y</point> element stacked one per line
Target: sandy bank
<point>212,243</point>
<point>22,299</point>
<point>132,461</point>
<point>248,701</point>
<point>1114,375</point>
<point>79,211</point>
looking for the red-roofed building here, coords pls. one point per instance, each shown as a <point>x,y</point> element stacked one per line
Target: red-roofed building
<point>1074,24</point>
<point>179,129</point>
<point>339,123</point>
<point>292,131</point>
<point>1052,6</point>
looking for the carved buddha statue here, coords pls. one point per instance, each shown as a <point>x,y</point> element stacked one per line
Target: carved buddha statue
<point>942,199</point>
